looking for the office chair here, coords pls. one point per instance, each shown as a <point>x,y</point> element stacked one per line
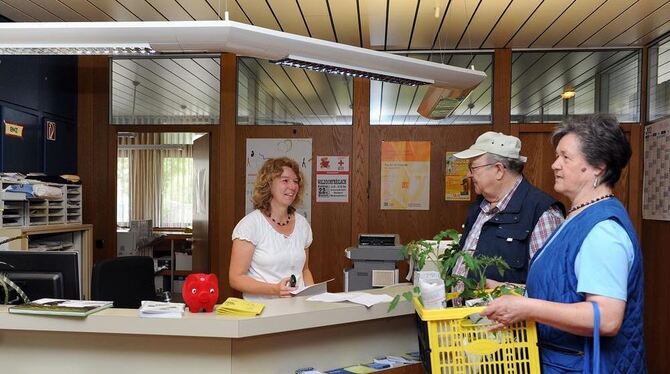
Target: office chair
<point>124,280</point>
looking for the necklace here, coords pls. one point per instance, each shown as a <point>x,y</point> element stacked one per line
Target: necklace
<point>590,202</point>
<point>288,219</point>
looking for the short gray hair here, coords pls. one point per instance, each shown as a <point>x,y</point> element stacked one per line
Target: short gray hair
<point>513,164</point>
<point>603,143</point>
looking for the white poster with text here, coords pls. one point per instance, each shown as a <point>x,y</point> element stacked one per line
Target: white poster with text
<point>332,179</point>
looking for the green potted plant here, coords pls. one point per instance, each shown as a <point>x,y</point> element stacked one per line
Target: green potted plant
<point>421,251</point>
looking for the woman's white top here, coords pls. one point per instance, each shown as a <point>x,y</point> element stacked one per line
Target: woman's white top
<point>276,255</point>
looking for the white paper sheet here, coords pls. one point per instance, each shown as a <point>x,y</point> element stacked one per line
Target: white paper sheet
<point>315,289</point>
<point>362,298</point>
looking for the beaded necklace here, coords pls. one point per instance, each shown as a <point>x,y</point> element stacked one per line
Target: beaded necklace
<point>590,202</point>
<point>288,219</point>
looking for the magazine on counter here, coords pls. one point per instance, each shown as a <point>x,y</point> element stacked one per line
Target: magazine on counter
<point>61,307</point>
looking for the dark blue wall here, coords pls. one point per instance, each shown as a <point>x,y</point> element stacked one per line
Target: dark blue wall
<point>34,90</point>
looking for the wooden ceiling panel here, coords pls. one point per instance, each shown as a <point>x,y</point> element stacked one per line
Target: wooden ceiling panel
<point>605,14</point>
<point>644,26</point>
<point>115,10</point>
<point>87,9</point>
<point>260,14</point>
<point>34,10</point>
<point>482,24</point>
<point>170,10</point>
<point>142,10</point>
<point>457,18</point>
<point>317,18</point>
<point>345,17</point>
<point>203,10</point>
<point>373,23</point>
<point>427,24</point>
<point>288,14</point>
<point>400,20</point>
<point>543,18</point>
<point>64,13</point>
<point>15,14</point>
<point>653,34</point>
<point>573,16</point>
<point>513,19</point>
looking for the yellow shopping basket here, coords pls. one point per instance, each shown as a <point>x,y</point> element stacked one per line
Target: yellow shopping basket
<point>458,345</point>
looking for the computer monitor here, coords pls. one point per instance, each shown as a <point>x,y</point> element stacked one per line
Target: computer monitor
<point>64,263</point>
<point>35,285</point>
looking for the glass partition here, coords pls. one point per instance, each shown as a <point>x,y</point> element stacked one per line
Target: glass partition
<point>394,104</point>
<point>270,94</point>
<point>165,90</point>
<point>547,86</point>
<point>659,80</point>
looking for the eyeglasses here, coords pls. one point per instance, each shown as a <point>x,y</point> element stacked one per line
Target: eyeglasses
<point>473,168</point>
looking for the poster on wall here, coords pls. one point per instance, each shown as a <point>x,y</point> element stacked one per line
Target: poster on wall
<point>332,179</point>
<point>405,175</point>
<point>656,181</point>
<point>456,181</point>
<point>300,150</point>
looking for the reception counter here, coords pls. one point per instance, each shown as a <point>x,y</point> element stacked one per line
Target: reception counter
<point>290,333</point>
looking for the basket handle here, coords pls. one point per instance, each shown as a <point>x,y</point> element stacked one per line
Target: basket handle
<point>596,343</point>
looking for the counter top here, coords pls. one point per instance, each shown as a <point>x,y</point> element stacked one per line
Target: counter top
<point>279,315</point>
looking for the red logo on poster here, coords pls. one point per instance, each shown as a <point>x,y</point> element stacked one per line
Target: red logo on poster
<point>51,130</point>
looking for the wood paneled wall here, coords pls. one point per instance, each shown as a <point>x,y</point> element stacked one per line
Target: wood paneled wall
<point>96,154</point>
<point>655,239</point>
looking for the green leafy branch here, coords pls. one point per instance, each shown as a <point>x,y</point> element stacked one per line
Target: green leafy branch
<point>421,251</point>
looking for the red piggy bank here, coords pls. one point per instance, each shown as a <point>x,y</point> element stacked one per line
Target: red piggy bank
<point>200,292</point>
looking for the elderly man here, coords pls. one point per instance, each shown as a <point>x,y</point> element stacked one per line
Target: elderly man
<point>510,218</point>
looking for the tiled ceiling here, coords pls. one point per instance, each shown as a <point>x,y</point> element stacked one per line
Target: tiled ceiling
<point>402,25</point>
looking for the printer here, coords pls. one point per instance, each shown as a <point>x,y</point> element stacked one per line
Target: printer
<point>374,261</point>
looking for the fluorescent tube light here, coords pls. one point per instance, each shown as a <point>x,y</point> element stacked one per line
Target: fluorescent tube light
<point>348,70</point>
<point>77,49</point>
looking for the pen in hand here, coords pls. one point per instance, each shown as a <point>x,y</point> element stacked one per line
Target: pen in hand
<point>292,281</point>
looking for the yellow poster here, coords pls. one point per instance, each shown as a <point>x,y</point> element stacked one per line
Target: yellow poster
<point>456,181</point>
<point>405,175</point>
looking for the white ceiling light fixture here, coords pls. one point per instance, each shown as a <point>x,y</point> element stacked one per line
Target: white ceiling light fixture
<point>238,38</point>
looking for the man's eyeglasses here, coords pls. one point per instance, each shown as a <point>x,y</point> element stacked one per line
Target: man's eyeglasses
<point>473,168</point>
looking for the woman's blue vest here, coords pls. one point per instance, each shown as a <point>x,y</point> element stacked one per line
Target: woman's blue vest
<point>552,277</point>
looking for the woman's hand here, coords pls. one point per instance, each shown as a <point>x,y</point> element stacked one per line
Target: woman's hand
<point>283,287</point>
<point>507,310</point>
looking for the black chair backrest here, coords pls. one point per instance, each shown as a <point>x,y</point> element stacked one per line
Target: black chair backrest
<point>124,280</point>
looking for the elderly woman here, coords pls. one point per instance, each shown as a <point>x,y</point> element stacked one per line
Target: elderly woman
<point>586,281</point>
<point>271,243</point>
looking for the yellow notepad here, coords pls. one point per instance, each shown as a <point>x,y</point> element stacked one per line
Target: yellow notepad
<point>238,307</point>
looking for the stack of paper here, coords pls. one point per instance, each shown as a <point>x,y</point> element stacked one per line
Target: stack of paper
<point>238,307</point>
<point>158,309</point>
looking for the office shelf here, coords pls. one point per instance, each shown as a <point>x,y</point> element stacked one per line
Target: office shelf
<point>19,211</point>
